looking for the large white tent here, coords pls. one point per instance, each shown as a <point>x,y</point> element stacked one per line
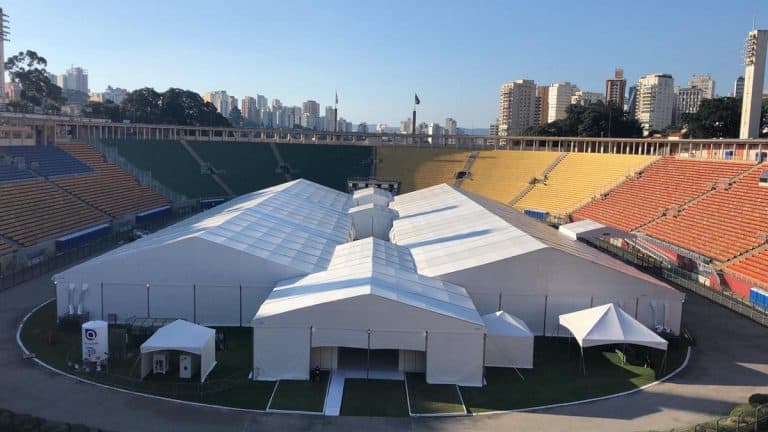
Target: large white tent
<point>370,298</point>
<point>183,336</point>
<point>607,324</point>
<point>508,261</point>
<point>508,341</point>
<point>216,268</point>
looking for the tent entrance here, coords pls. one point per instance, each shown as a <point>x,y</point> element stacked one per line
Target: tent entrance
<point>373,364</point>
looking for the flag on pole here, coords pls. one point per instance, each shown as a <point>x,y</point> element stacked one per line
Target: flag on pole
<point>416,99</point>
<point>337,98</point>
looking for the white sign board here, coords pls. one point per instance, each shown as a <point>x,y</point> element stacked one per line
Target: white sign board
<point>95,340</point>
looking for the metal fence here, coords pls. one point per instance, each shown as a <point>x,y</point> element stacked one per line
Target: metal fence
<point>685,279</point>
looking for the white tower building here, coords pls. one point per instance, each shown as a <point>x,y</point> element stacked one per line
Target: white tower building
<point>754,76</point>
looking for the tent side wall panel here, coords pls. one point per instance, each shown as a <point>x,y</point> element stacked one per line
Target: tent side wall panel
<point>281,353</point>
<point>217,305</point>
<point>172,302</point>
<point>455,358</point>
<point>509,351</point>
<point>125,300</point>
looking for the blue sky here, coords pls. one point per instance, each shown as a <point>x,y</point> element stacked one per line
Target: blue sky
<point>455,54</point>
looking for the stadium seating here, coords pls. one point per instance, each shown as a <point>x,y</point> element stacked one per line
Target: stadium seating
<point>754,267</point>
<point>5,247</point>
<point>668,182</point>
<point>502,174</point>
<point>35,210</point>
<point>49,161</point>
<point>109,189</point>
<point>244,167</point>
<point>723,224</point>
<point>11,173</point>
<point>170,164</point>
<point>579,177</point>
<point>329,165</point>
<point>418,168</point>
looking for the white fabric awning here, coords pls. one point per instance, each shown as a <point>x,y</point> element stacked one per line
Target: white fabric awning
<point>503,324</point>
<point>608,324</point>
<point>590,229</point>
<point>184,336</point>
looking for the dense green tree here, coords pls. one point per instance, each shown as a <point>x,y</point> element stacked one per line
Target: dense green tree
<point>716,118</point>
<point>27,68</point>
<point>174,106</point>
<point>142,106</point>
<point>235,117</point>
<point>594,120</point>
<point>106,110</point>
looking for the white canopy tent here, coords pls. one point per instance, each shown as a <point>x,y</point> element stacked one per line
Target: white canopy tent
<point>371,195</point>
<point>184,336</point>
<point>609,324</point>
<point>508,341</point>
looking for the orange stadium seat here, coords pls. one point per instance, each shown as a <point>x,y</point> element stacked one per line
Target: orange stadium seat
<point>666,183</point>
<point>35,210</point>
<point>109,189</point>
<point>723,224</point>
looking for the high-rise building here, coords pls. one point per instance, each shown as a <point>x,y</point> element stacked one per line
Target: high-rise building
<point>738,87</point>
<point>705,83</point>
<point>250,109</point>
<point>517,104</point>
<point>559,100</point>
<point>231,103</point>
<point>116,95</point>
<point>308,120</point>
<point>541,110</point>
<point>585,98</point>
<point>262,102</point>
<point>451,127</point>
<point>4,95</point>
<point>615,88</point>
<point>267,118</point>
<point>688,101</point>
<point>362,127</point>
<point>655,101</point>
<point>276,105</point>
<point>219,99</point>
<point>405,126</point>
<point>76,78</point>
<point>311,107</point>
<point>329,120</point>
<point>381,128</point>
<point>493,129</point>
<point>12,89</point>
<point>754,77</point>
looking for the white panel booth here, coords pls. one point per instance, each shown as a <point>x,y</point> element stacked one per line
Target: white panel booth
<point>191,345</point>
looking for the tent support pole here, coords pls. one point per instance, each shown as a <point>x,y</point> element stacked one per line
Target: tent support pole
<point>518,372</point>
<point>583,362</point>
<point>663,364</point>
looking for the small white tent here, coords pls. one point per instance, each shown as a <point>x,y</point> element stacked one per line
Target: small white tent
<point>608,324</point>
<point>184,336</point>
<point>508,341</point>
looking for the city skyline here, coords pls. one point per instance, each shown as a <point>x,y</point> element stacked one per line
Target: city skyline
<point>378,86</point>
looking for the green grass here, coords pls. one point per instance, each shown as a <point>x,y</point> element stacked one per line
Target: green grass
<point>432,398</point>
<point>329,165</point>
<point>376,398</point>
<point>557,377</point>
<point>301,395</point>
<point>226,385</point>
<point>244,167</point>
<point>170,164</point>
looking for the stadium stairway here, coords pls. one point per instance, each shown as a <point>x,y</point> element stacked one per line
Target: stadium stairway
<point>280,161</point>
<point>202,164</point>
<point>543,174</point>
<point>467,167</point>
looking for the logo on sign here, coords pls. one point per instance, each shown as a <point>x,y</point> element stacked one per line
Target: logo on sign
<point>90,334</point>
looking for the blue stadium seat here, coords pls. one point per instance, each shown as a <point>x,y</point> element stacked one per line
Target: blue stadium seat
<point>11,173</point>
<point>49,161</point>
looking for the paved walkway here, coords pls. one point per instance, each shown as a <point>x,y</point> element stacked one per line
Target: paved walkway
<point>730,363</point>
<point>335,394</point>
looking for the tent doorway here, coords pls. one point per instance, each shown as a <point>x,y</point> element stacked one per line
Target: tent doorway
<point>374,363</point>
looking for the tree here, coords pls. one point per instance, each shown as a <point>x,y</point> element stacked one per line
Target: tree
<point>142,106</point>
<point>174,106</point>
<point>235,116</point>
<point>716,118</point>
<point>594,120</point>
<point>27,68</point>
<point>106,110</point>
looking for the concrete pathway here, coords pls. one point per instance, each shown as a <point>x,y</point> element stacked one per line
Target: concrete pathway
<point>335,394</point>
<point>730,363</point>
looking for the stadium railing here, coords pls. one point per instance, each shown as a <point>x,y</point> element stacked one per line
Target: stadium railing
<point>684,279</point>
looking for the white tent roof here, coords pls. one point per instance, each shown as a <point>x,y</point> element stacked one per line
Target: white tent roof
<point>296,224</point>
<point>503,324</point>
<point>608,324</point>
<point>446,231</point>
<point>588,228</point>
<point>371,195</point>
<point>179,335</point>
<point>371,267</point>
